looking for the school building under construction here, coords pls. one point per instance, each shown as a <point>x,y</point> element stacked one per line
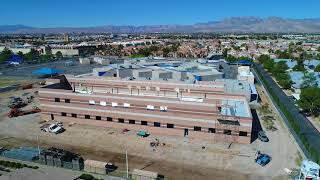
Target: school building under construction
<point>158,107</point>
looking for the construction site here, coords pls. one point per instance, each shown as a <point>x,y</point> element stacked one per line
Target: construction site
<point>174,155</point>
<point>175,129</point>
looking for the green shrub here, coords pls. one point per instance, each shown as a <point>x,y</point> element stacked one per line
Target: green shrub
<point>86,176</point>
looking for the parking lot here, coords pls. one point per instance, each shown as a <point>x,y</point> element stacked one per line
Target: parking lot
<point>24,71</point>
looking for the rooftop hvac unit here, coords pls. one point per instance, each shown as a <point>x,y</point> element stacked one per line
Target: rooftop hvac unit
<point>92,102</point>
<point>114,104</point>
<point>103,103</point>
<point>150,107</point>
<point>126,105</point>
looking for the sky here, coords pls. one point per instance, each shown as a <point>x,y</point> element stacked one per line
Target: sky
<point>84,13</point>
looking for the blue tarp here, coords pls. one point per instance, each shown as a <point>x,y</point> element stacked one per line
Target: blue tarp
<point>47,71</point>
<point>15,58</point>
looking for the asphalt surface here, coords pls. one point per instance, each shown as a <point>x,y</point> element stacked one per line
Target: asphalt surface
<point>9,88</point>
<point>25,70</point>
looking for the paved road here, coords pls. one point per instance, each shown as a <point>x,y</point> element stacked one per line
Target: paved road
<point>9,88</point>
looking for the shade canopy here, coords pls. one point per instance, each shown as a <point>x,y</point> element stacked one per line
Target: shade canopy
<point>46,71</point>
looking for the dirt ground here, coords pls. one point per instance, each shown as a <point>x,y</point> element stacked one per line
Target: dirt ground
<point>178,158</point>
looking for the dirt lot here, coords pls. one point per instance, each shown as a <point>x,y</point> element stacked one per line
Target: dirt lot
<point>178,158</point>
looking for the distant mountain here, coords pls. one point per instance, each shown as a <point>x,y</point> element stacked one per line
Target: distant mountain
<point>14,28</point>
<point>246,24</point>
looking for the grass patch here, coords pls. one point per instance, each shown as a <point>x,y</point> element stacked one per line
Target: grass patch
<point>7,82</point>
<point>15,165</point>
<point>298,159</point>
<point>264,109</point>
<point>136,56</point>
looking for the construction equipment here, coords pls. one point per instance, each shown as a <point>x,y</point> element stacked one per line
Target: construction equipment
<point>16,102</point>
<point>15,112</point>
<point>143,134</point>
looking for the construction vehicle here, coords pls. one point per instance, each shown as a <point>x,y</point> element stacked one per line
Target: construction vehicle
<point>16,102</point>
<point>15,112</point>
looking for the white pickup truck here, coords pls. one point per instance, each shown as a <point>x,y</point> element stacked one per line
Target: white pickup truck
<point>52,128</point>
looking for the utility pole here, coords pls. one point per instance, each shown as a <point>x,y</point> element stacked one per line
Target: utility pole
<point>38,144</point>
<point>127,163</point>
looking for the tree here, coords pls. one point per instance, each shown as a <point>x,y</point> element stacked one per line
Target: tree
<point>20,54</point>
<point>299,66</point>
<point>268,64</point>
<point>317,69</point>
<point>280,67</point>
<point>263,58</point>
<point>285,83</point>
<point>310,100</point>
<point>5,55</point>
<point>120,47</point>
<point>175,47</point>
<point>33,54</point>
<point>279,72</point>
<point>225,53</point>
<point>236,48</point>
<point>231,59</point>
<point>309,80</point>
<point>46,57</point>
<point>59,54</point>
<point>303,55</point>
<point>166,51</point>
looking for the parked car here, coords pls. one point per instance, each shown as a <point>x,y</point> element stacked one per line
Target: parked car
<point>262,159</point>
<point>52,128</point>
<point>262,136</point>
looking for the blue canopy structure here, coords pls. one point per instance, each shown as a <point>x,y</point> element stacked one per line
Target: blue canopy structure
<point>46,71</point>
<point>244,62</point>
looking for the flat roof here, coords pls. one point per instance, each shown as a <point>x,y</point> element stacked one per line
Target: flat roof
<point>231,107</point>
<point>207,73</point>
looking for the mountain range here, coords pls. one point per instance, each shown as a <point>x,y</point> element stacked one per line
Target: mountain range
<point>248,24</point>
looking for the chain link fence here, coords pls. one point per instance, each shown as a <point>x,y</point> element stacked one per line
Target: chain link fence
<point>30,154</point>
<point>306,135</point>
